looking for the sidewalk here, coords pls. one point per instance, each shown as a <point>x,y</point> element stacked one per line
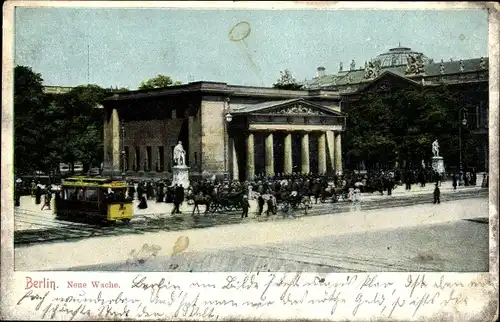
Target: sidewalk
<point>400,191</point>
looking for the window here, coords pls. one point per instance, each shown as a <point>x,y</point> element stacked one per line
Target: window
<point>70,193</point>
<point>91,194</point>
<point>119,194</point>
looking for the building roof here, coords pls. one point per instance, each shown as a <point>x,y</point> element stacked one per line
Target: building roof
<point>215,88</point>
<point>395,61</point>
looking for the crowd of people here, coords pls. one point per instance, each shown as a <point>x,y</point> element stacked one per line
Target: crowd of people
<point>350,184</point>
<point>272,189</point>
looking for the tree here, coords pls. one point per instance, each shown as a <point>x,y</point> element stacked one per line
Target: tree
<point>400,125</point>
<point>286,81</point>
<point>159,81</point>
<point>83,125</point>
<point>28,101</point>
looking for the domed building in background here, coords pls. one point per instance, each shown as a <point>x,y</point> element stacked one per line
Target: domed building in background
<point>399,56</point>
<point>402,67</point>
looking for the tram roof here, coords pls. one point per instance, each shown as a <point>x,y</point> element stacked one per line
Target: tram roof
<point>89,181</point>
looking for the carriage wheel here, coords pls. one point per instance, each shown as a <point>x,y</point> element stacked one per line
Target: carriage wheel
<point>228,207</point>
<point>285,207</point>
<point>213,207</point>
<point>322,199</point>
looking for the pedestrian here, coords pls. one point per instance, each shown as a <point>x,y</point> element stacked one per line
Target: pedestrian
<point>178,198</point>
<point>17,197</point>
<point>38,195</point>
<point>48,199</point>
<point>454,181</point>
<point>271,204</point>
<point>143,203</point>
<point>260,202</point>
<point>33,188</point>
<point>245,205</point>
<point>437,194</point>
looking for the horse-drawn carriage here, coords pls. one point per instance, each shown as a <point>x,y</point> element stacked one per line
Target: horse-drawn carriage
<point>294,200</point>
<point>227,201</point>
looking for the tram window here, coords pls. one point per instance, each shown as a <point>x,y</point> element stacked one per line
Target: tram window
<point>81,194</point>
<point>91,194</point>
<point>119,194</point>
<point>71,194</point>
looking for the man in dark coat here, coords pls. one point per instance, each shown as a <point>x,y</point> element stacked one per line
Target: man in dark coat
<point>245,205</point>
<point>454,181</point>
<point>437,194</point>
<point>38,195</point>
<point>260,202</point>
<point>178,198</point>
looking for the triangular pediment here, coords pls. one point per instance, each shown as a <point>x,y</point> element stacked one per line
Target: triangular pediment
<point>290,108</point>
<point>386,81</point>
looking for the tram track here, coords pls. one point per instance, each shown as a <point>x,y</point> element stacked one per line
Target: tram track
<point>59,230</point>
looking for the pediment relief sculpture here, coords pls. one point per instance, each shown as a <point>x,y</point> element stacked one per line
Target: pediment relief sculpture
<point>297,109</point>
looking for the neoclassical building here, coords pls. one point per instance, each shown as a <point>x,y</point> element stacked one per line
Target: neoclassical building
<point>239,131</point>
<point>402,67</point>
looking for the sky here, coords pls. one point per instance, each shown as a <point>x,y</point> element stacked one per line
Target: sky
<point>122,47</point>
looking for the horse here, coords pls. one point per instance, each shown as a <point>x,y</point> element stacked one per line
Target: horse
<point>201,200</point>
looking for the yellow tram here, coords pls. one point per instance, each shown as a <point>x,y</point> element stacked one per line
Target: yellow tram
<point>97,198</point>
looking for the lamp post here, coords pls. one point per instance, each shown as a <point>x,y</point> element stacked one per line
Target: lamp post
<point>123,148</point>
<point>227,118</point>
<point>460,123</point>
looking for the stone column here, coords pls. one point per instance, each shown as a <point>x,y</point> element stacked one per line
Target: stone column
<point>288,158</point>
<point>234,160</point>
<point>338,153</point>
<point>322,153</point>
<point>330,140</point>
<point>250,157</point>
<point>305,153</point>
<point>115,141</point>
<point>269,155</point>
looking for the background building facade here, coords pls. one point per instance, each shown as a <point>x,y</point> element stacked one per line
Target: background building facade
<point>402,66</point>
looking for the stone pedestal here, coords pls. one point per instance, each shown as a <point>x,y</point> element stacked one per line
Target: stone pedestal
<point>438,164</point>
<point>180,175</point>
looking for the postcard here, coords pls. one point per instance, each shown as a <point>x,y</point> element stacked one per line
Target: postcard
<point>244,160</point>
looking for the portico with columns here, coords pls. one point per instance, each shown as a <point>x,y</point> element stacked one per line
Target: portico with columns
<point>286,137</point>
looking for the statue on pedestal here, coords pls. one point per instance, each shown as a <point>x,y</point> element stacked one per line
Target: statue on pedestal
<point>435,148</point>
<point>179,154</point>
<point>180,170</point>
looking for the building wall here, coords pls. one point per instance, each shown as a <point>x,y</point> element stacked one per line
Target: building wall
<point>212,134</point>
<point>195,139</point>
<point>152,133</point>
<point>107,139</point>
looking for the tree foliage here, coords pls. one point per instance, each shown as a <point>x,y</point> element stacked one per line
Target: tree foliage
<point>49,129</point>
<point>159,81</point>
<point>400,126</point>
<point>286,81</point>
